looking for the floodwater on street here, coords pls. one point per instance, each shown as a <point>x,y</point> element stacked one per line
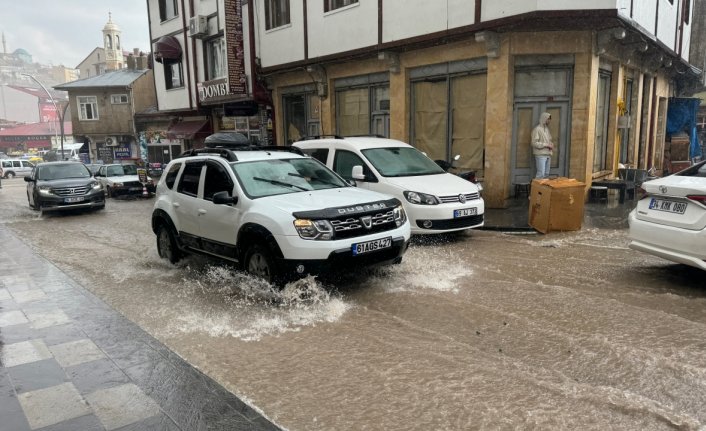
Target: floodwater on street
<point>484,330</point>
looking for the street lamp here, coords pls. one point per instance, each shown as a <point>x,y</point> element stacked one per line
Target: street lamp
<point>56,109</point>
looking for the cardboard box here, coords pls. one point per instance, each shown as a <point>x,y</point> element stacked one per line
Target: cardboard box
<point>556,204</point>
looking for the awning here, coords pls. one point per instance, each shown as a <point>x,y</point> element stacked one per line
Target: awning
<point>187,129</point>
<point>167,48</point>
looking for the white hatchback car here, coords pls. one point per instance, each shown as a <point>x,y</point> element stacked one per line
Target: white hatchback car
<point>670,221</point>
<point>435,201</point>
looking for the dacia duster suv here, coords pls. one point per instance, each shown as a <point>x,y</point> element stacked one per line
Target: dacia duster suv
<point>278,214</point>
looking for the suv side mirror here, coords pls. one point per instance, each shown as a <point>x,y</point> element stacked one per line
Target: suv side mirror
<point>224,198</point>
<point>29,179</point>
<point>357,173</point>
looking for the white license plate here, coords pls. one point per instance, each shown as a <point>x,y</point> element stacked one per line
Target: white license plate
<point>668,206</point>
<point>465,212</point>
<point>74,200</point>
<point>370,246</point>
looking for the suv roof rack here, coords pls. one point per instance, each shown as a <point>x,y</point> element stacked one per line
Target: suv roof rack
<point>308,138</point>
<point>228,152</point>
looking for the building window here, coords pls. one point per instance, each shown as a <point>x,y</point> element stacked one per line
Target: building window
<point>276,13</point>
<point>167,9</point>
<point>330,5</point>
<point>118,99</point>
<point>108,42</point>
<point>87,107</point>
<point>301,116</point>
<point>117,42</point>
<point>216,58</point>
<point>363,110</point>
<point>687,11</point>
<point>173,75</point>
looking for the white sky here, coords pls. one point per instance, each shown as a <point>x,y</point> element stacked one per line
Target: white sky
<point>56,32</point>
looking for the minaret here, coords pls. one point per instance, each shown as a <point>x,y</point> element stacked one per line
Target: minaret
<point>4,45</point>
<point>113,45</point>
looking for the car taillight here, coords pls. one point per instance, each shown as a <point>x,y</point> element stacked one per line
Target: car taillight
<point>698,198</point>
<point>641,193</point>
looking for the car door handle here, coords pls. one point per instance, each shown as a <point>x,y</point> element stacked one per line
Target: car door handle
<point>202,211</point>
<point>175,204</point>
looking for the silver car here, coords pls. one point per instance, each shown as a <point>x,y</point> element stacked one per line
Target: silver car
<point>16,168</point>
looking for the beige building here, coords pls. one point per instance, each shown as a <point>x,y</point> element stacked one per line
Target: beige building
<point>472,78</point>
<point>108,57</point>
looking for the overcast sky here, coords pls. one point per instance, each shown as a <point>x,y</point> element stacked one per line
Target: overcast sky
<point>65,31</point>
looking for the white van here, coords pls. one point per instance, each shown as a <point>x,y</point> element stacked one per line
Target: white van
<point>70,152</point>
<point>16,168</point>
<point>435,201</point>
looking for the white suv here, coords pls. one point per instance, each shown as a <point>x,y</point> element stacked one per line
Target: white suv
<point>278,214</point>
<point>435,201</point>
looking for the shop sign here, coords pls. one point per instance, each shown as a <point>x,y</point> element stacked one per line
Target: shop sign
<point>211,90</point>
<point>122,152</point>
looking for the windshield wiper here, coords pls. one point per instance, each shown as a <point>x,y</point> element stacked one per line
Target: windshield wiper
<point>280,183</point>
<point>330,183</point>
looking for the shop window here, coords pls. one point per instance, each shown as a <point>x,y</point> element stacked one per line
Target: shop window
<point>363,111</point>
<point>600,150</point>
<point>167,9</point>
<point>173,74</point>
<point>330,5</point>
<point>87,107</point>
<point>215,58</point>
<point>276,13</point>
<point>301,116</point>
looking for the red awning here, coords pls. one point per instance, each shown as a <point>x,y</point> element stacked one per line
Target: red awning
<point>187,129</point>
<point>167,48</point>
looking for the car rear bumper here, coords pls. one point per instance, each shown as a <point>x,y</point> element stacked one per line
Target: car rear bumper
<point>675,244</point>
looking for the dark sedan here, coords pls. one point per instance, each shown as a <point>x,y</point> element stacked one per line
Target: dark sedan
<point>54,186</point>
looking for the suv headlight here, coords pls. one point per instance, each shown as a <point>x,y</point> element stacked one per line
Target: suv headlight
<point>399,215</point>
<point>45,190</point>
<point>96,186</point>
<point>421,198</point>
<point>319,230</point>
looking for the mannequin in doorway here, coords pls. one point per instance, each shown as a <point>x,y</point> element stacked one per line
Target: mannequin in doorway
<point>542,146</point>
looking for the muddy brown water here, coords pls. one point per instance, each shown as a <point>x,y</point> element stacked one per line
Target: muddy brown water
<point>481,331</point>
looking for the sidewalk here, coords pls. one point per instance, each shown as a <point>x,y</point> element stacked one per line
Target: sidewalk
<point>70,362</point>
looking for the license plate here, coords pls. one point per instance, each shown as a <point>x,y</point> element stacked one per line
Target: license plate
<point>465,212</point>
<point>667,206</point>
<point>74,199</point>
<point>370,246</point>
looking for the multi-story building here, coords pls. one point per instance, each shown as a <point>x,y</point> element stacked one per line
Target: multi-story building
<point>468,77</point>
<point>104,108</point>
<point>204,61</point>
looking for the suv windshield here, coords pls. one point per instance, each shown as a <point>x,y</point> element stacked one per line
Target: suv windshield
<point>401,162</point>
<point>279,176</point>
<point>56,172</point>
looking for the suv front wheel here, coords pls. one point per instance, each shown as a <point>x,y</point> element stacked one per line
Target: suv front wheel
<point>259,262</point>
<point>167,245</point>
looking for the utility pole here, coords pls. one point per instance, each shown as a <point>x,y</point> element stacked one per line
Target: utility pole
<point>59,114</point>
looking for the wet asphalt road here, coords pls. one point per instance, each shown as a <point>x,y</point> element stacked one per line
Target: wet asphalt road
<point>482,330</point>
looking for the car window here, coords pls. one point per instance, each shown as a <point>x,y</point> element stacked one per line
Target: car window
<point>129,169</point>
<point>189,182</point>
<point>698,170</point>
<point>281,176</point>
<point>16,163</point>
<point>344,161</point>
<point>320,154</point>
<point>115,171</point>
<point>401,162</point>
<point>172,175</point>
<point>217,180</point>
<point>69,170</point>
<point>6,164</point>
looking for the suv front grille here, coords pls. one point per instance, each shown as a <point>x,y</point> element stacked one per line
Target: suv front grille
<point>364,224</point>
<point>454,198</point>
<point>71,191</point>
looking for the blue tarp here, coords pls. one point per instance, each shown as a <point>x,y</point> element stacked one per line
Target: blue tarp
<point>681,117</point>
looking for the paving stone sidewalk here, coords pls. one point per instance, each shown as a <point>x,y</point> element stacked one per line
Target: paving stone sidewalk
<point>70,362</point>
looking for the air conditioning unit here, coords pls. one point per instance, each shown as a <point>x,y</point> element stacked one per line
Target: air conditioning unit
<point>111,141</point>
<point>198,26</point>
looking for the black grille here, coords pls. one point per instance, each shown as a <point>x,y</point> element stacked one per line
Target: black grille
<point>455,199</point>
<point>363,224</point>
<point>454,223</point>
<point>71,191</point>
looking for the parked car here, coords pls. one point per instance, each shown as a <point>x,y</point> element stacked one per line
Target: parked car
<point>121,180</point>
<point>63,185</point>
<point>670,220</point>
<point>16,167</point>
<point>435,201</point>
<point>278,214</point>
